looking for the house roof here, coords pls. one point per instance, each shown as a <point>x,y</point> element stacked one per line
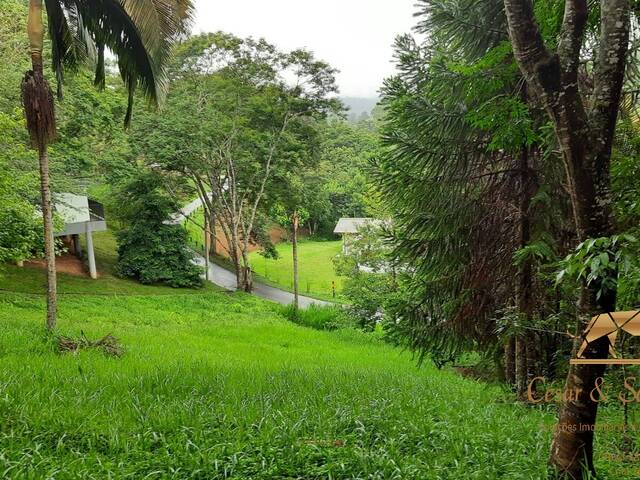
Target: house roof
<point>352,225</point>
<point>79,213</point>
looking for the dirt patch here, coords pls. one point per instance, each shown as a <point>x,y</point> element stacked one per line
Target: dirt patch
<point>67,263</point>
<point>276,234</point>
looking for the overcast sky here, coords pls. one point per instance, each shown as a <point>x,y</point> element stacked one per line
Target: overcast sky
<point>354,36</point>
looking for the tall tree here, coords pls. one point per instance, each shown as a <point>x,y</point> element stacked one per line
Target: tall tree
<point>252,119</point>
<point>584,118</point>
<point>139,33</point>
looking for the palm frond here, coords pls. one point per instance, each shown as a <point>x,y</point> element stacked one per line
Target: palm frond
<point>69,40</point>
<point>139,32</point>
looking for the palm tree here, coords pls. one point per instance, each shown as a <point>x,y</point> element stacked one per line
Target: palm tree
<point>138,32</point>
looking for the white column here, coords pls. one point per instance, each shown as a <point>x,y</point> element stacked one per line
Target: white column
<point>90,254</point>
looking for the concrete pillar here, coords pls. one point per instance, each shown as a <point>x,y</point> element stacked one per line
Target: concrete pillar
<point>90,254</point>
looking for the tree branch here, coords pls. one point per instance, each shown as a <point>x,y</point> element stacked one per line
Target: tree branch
<point>610,70</point>
<point>526,39</point>
<point>576,13</point>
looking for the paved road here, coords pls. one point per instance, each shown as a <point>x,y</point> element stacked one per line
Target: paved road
<point>181,216</point>
<point>227,279</point>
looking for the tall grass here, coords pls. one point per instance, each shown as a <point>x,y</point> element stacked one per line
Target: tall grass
<point>215,385</point>
<point>318,317</point>
<point>220,386</point>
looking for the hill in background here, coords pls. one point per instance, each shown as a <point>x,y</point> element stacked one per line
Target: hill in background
<point>359,108</point>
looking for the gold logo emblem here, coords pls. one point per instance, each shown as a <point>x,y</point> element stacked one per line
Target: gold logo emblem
<point>609,325</point>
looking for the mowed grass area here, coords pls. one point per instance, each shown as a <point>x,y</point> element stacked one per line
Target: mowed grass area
<point>316,272</point>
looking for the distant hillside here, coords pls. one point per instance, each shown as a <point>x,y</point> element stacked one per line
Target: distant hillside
<point>359,105</point>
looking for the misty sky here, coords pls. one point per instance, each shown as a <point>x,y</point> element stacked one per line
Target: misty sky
<point>354,36</point>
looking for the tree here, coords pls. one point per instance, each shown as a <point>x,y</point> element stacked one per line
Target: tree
<point>292,214</point>
<point>149,249</point>
<point>139,34</point>
<point>463,162</point>
<point>338,184</point>
<point>252,118</point>
<point>584,117</point>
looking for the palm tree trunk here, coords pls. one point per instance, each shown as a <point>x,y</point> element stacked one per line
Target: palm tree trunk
<point>49,243</point>
<point>296,221</point>
<point>39,112</point>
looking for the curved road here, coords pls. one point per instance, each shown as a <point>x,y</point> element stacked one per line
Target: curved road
<point>227,279</point>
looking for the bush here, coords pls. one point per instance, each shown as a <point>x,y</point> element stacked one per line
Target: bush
<point>368,294</point>
<point>149,250</point>
<point>152,254</point>
<point>318,317</point>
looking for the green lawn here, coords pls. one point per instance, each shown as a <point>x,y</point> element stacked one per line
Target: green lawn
<point>33,280</point>
<point>217,385</point>
<point>220,386</point>
<point>315,267</point>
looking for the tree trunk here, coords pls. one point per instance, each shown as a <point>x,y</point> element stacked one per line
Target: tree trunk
<point>521,367</point>
<point>585,139</point>
<point>49,241</point>
<point>524,296</point>
<point>510,362</point>
<point>247,276</point>
<point>572,447</point>
<point>214,236</point>
<point>295,225</point>
<point>40,116</point>
<point>207,242</point>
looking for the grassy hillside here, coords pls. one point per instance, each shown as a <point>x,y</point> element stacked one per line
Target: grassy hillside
<point>218,385</point>
<point>315,267</point>
<point>33,280</point>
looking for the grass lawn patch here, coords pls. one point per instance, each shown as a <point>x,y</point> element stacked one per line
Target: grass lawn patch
<point>316,270</point>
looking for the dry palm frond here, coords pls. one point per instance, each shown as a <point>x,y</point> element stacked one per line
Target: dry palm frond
<point>37,99</point>
<point>109,345</point>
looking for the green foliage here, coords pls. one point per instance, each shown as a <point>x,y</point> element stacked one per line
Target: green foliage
<point>156,254</point>
<point>149,250</point>
<point>21,235</point>
<point>340,186</point>
<point>369,295</point>
<point>140,37</point>
<point>601,262</point>
<point>318,317</point>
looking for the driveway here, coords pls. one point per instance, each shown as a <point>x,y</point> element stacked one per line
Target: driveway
<point>227,279</point>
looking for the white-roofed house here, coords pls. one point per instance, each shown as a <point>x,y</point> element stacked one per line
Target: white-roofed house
<point>348,228</point>
<point>81,216</point>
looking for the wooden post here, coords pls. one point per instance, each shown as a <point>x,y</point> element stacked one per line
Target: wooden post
<point>206,245</point>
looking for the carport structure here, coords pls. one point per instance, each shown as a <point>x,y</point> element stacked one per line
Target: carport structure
<point>81,216</point>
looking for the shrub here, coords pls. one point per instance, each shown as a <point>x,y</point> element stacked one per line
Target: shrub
<point>155,254</point>
<point>368,294</point>
<point>149,250</point>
